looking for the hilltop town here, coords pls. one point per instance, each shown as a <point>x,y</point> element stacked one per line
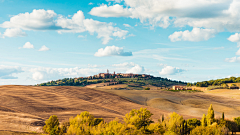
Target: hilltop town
<point>113,79</point>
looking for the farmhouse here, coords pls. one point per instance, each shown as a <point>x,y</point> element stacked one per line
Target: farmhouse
<point>177,87</point>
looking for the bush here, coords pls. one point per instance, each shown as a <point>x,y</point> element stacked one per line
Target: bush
<point>52,125</point>
<point>147,88</point>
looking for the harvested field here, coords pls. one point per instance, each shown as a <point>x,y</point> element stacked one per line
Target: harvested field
<point>193,104</point>
<point>25,108</point>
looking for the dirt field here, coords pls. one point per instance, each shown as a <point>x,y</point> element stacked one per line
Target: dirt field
<point>25,108</point>
<point>194,104</point>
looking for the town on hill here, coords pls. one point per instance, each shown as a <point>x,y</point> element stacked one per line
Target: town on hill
<point>113,79</point>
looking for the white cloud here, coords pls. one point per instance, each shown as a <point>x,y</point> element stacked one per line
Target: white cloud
<point>209,14</point>
<point>48,20</point>
<point>95,66</point>
<point>43,48</point>
<point>7,72</point>
<point>43,73</point>
<point>162,65</point>
<point>127,25</point>
<point>110,11</point>
<point>233,59</point>
<point>90,3</point>
<point>27,45</point>
<point>197,34</point>
<point>234,38</point>
<point>81,36</point>
<point>112,51</point>
<point>136,69</point>
<point>169,70</point>
<point>104,30</point>
<point>75,24</point>
<point>14,32</point>
<point>238,52</point>
<point>37,20</point>
<point>37,76</point>
<point>125,64</point>
<point>117,1</point>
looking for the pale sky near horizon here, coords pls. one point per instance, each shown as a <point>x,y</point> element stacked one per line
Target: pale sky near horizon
<point>187,40</point>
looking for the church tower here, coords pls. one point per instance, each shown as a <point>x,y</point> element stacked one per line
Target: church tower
<point>107,71</point>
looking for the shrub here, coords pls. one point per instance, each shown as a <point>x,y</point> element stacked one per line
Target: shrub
<point>52,125</point>
<point>147,88</point>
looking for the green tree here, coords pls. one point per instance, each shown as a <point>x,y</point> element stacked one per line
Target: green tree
<point>141,118</point>
<point>204,121</point>
<point>223,116</point>
<point>193,123</point>
<point>173,123</point>
<point>82,124</point>
<point>52,125</point>
<point>210,115</point>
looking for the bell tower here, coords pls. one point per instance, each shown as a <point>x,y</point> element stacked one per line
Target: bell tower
<point>107,71</point>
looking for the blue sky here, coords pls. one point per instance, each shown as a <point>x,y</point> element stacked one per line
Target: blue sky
<point>185,40</point>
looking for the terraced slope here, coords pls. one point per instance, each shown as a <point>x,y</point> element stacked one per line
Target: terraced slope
<point>25,108</point>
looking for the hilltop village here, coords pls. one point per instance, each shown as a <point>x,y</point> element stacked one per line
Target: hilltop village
<point>119,75</point>
<point>113,79</point>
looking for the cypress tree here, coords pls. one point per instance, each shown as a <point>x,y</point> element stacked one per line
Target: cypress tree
<point>203,121</point>
<point>210,115</point>
<point>222,115</point>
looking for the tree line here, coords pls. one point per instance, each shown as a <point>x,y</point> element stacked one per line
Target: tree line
<point>218,82</point>
<point>139,122</point>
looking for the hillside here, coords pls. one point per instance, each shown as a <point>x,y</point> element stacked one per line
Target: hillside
<point>138,80</point>
<point>25,108</point>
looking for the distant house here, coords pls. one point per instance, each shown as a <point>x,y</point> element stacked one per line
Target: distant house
<point>177,87</point>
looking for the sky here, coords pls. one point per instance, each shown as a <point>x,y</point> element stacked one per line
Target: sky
<point>186,40</point>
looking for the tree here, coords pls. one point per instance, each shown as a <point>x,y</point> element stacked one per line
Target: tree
<point>204,121</point>
<point>193,123</point>
<point>223,116</point>
<point>173,123</point>
<point>52,125</point>
<point>210,115</point>
<point>82,124</point>
<point>139,118</point>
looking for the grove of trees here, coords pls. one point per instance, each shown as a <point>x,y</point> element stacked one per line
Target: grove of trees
<point>139,122</point>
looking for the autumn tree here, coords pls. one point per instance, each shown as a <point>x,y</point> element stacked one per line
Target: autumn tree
<point>51,126</point>
<point>210,115</point>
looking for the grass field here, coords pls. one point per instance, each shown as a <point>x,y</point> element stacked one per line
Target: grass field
<point>193,104</point>
<point>25,108</point>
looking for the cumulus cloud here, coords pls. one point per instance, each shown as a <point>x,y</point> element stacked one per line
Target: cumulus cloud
<point>169,70</point>
<point>104,30</point>
<point>43,73</point>
<point>127,25</point>
<point>233,59</point>
<point>90,3</point>
<point>27,45</point>
<point>110,11</point>
<point>125,64</point>
<point>48,20</point>
<point>43,48</point>
<point>136,69</point>
<point>234,38</point>
<point>112,51</point>
<point>36,20</point>
<point>78,24</point>
<point>197,34</point>
<point>117,1</point>
<point>7,72</point>
<point>209,14</point>
<point>14,32</point>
